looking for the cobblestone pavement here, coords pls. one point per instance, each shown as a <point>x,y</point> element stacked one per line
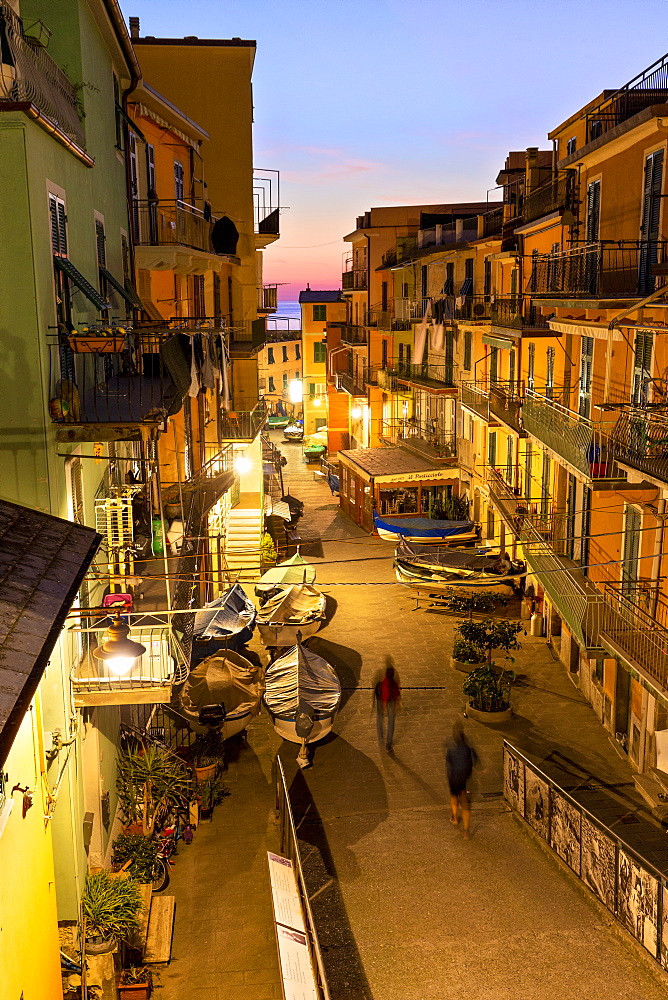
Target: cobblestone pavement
<point>405,907</point>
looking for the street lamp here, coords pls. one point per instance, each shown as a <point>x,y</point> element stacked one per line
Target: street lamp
<point>296,390</point>
<point>117,651</point>
<point>243,464</point>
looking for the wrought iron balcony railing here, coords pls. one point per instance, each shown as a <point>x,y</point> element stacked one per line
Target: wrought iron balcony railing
<point>355,280</point>
<point>426,437</point>
<point>605,269</point>
<point>582,443</point>
<point>355,335</point>
<point>143,381</point>
<point>556,195</point>
<point>452,232</point>
<point>404,251</point>
<point>28,74</point>
<point>640,439</point>
<point>243,425</point>
<point>514,312</point>
<point>430,375</point>
<point>649,87</point>
<point>475,397</point>
<point>492,222</point>
<point>352,381</point>
<point>171,223</point>
<point>635,633</point>
<point>488,399</point>
<point>266,199</point>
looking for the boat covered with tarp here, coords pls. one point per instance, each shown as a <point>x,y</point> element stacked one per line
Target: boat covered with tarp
<point>290,615</point>
<point>277,420</point>
<point>424,564</point>
<point>222,693</point>
<point>425,529</point>
<point>294,570</point>
<point>230,617</point>
<point>294,431</point>
<point>302,695</point>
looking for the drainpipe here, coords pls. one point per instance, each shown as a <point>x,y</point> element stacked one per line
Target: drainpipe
<point>658,549</point>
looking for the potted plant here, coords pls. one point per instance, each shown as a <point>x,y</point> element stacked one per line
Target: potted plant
<point>489,634</point>
<point>141,852</point>
<point>210,793</point>
<point>208,755</point>
<point>488,691</point>
<point>136,983</point>
<point>151,784</point>
<point>466,655</point>
<point>267,550</point>
<point>481,602</point>
<point>111,908</point>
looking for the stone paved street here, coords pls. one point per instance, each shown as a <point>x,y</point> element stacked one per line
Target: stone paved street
<point>405,907</point>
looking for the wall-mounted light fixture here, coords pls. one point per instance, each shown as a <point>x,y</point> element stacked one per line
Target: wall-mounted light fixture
<point>117,651</point>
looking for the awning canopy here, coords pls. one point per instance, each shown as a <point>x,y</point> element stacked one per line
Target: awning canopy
<point>65,265</point>
<point>500,342</point>
<point>43,560</point>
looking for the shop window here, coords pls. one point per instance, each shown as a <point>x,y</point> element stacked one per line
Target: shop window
<point>399,501</point>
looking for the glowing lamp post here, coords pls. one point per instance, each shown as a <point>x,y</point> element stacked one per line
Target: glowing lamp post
<point>118,652</point>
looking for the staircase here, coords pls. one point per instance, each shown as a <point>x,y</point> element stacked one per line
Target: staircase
<point>243,536</point>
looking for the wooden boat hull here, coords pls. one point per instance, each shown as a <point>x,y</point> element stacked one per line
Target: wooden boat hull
<point>395,536</point>
<point>503,585</point>
<point>287,730</point>
<point>286,635</point>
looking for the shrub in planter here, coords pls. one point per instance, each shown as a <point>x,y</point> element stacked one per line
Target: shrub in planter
<point>485,600</point>
<point>136,983</point>
<point>211,793</point>
<point>490,634</point>
<point>267,548</point>
<point>140,850</point>
<point>464,651</point>
<point>111,907</point>
<point>208,755</point>
<point>488,689</point>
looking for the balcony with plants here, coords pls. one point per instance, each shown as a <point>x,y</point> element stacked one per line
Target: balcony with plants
<point>438,377</point>
<point>639,440</point>
<point>616,270</point>
<point>30,77</point>
<point>582,443</point>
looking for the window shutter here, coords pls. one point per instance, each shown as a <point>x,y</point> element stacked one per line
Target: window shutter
<point>593,210</point>
<point>491,449</point>
<point>531,368</point>
<point>58,226</point>
<point>99,242</point>
<point>125,256</point>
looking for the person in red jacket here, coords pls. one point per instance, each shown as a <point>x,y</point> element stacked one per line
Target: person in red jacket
<point>386,697</point>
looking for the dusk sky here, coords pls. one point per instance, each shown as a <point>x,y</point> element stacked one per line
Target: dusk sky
<point>361,103</point>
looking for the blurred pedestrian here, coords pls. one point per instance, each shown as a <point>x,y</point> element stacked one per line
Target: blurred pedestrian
<point>460,759</point>
<point>386,697</point>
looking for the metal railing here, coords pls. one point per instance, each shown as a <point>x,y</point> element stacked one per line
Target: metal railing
<point>583,443</point>
<point>633,889</point>
<point>441,376</point>
<point>246,337</point>
<point>556,194</point>
<point>142,381</point>
<point>244,425</point>
<point>289,848</point>
<point>266,199</point>
<point>649,87</point>
<point>492,222</point>
<point>408,310</point>
<point>404,251</point>
<point>356,335</point>
<point>29,74</point>
<point>352,381</point>
<point>475,397</point>
<point>451,232</point>
<point>514,312</point>
<point>161,222</point>
<point>640,439</point>
<point>355,280</point>
<point>605,269</point>
<point>426,436</point>
<point>636,633</point>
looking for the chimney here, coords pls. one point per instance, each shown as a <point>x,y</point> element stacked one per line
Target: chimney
<point>532,174</point>
<point>134,27</point>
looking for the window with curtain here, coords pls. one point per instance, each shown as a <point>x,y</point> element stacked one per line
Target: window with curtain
<point>270,355</point>
<point>284,351</point>
<point>272,386</point>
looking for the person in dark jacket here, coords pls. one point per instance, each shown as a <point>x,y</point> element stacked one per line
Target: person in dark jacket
<point>460,759</point>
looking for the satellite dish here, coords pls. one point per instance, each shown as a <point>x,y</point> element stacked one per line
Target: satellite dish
<point>225,236</point>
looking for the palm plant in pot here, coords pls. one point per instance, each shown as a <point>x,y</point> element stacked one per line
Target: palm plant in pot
<point>111,908</point>
<point>141,852</point>
<point>150,785</point>
<point>210,793</point>
<point>208,755</point>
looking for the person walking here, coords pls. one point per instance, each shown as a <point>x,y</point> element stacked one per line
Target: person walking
<point>386,697</point>
<point>460,759</point>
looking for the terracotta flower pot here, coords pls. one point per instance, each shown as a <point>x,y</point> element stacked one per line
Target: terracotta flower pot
<point>134,991</point>
<point>202,773</point>
<point>100,946</point>
<point>489,718</point>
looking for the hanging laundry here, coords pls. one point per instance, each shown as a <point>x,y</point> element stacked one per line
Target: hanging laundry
<point>193,389</point>
<point>421,336</point>
<point>437,338</point>
<point>225,361</point>
<point>208,381</point>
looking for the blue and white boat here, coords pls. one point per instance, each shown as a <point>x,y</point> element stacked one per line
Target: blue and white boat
<point>426,529</point>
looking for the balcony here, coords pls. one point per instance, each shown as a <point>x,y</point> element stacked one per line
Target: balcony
<point>649,87</point>
<point>426,439</point>
<point>266,202</point>
<point>99,395</point>
<point>517,313</point>
<point>578,602</point>
<point>381,318</point>
<point>438,378</point>
<point>492,223</point>
<point>635,634</point>
<point>639,439</point>
<point>461,231</point>
<point>353,381</point>
<point>149,681</point>
<point>408,311</point>
<point>31,77</point>
<point>243,425</point>
<point>267,299</point>
<point>622,270</point>
<point>403,252</point>
<point>556,195</point>
<point>356,336</point>
<point>500,400</point>
<point>172,235</point>
<point>471,308</point>
<point>582,443</point>
<point>354,280</point>
<point>246,338</point>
